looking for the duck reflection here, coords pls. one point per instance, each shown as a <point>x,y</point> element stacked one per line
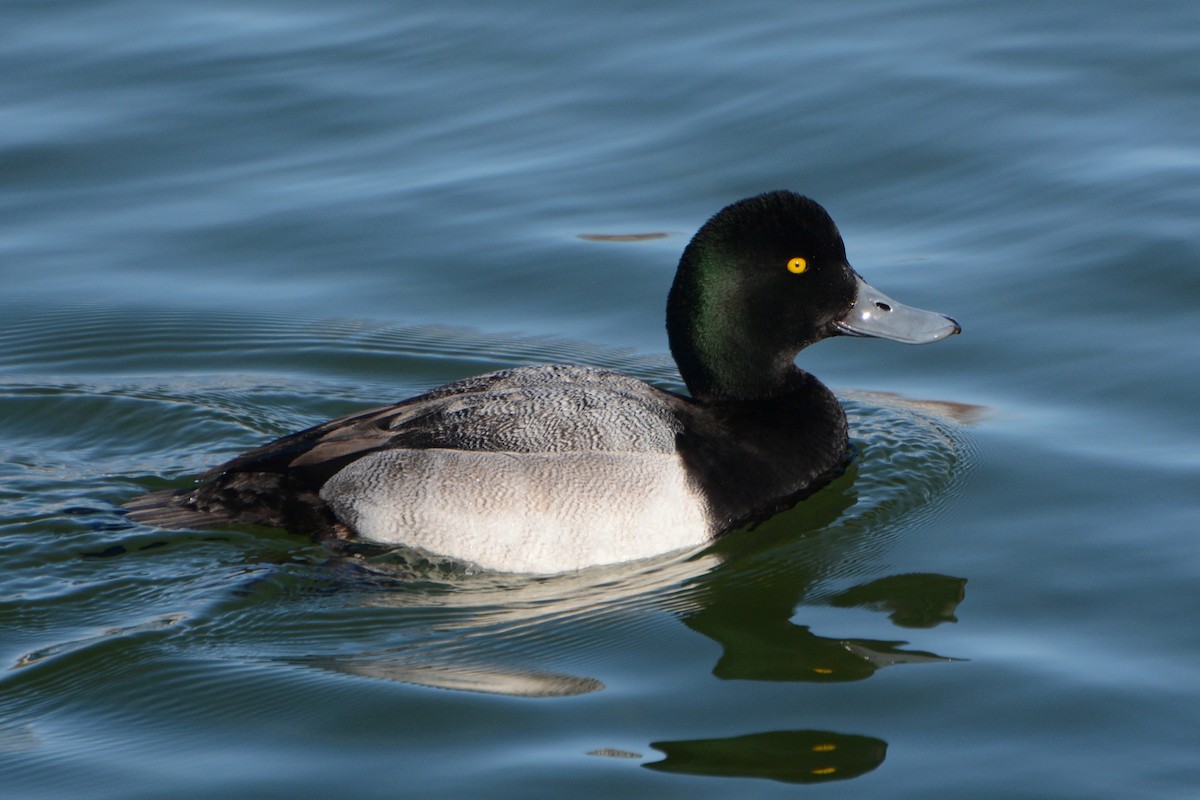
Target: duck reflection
<point>760,641</point>
<point>753,625</point>
<point>788,756</point>
<point>914,600</point>
<point>749,605</point>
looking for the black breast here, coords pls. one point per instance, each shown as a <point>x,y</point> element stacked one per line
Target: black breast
<point>753,459</point>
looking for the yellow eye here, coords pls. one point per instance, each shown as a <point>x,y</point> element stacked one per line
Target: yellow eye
<point>797,265</point>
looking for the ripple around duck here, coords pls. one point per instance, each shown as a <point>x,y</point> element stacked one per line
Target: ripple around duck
<point>154,404</point>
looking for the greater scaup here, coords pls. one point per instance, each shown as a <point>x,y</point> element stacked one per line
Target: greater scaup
<point>555,468</point>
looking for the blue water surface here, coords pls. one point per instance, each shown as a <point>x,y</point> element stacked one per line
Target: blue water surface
<point>221,222</point>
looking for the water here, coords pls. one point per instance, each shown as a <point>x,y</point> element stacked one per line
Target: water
<point>222,222</point>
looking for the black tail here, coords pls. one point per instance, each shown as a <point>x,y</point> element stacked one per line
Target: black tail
<point>273,499</point>
<point>168,508</point>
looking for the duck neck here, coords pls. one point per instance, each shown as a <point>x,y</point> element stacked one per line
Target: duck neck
<point>723,361</point>
<point>722,373</point>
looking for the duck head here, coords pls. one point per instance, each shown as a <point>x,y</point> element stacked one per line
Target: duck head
<point>763,279</point>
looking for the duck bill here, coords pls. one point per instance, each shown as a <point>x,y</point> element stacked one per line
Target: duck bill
<point>876,314</point>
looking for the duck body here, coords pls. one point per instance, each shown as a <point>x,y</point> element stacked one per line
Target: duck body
<point>534,469</point>
<point>554,468</point>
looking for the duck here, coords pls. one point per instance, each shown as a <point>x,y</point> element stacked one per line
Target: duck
<point>556,468</point>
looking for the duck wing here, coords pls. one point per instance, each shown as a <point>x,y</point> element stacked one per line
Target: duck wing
<point>542,409</point>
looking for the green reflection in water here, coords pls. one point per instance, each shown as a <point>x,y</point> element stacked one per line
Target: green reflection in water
<point>787,756</point>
